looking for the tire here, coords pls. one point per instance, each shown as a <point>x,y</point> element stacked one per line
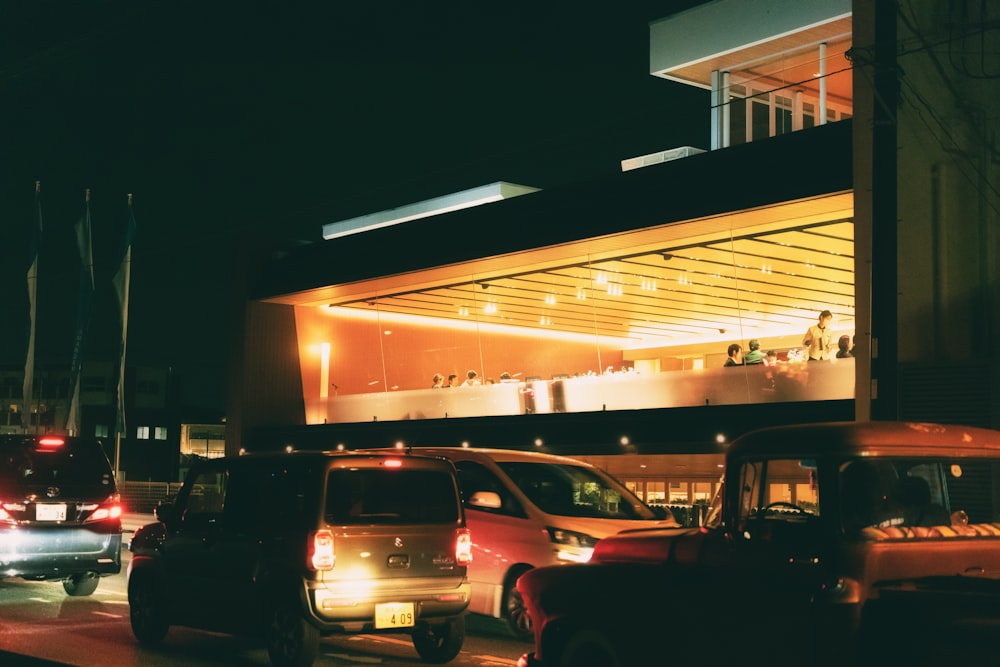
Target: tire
<point>588,648</point>
<point>515,614</point>
<point>438,644</point>
<point>145,609</point>
<point>291,640</point>
<point>79,585</point>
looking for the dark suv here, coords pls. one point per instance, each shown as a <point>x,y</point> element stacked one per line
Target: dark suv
<point>60,512</point>
<point>289,547</point>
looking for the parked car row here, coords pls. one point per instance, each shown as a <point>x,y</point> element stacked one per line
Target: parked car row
<point>829,539</point>
<point>290,547</point>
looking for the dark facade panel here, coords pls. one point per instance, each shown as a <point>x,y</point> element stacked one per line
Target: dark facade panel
<point>784,168</point>
<point>658,431</point>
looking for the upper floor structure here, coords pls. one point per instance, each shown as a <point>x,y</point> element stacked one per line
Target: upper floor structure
<point>850,169</point>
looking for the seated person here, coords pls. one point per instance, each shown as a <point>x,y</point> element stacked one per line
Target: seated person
<point>914,497</point>
<point>844,349</point>
<point>865,499</point>
<point>755,355</point>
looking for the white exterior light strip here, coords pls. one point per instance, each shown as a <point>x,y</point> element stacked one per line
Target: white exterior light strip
<point>484,194</point>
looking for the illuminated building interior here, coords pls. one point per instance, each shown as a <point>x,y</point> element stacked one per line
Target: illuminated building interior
<point>648,303</point>
<point>642,304</point>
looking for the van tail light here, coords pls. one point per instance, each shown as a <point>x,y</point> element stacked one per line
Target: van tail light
<point>321,555</point>
<point>105,512</point>
<point>109,509</point>
<point>463,547</point>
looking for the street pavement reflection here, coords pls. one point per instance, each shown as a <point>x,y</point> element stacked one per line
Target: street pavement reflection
<point>40,626</point>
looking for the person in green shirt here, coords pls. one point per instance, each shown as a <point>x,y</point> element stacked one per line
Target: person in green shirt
<point>755,355</point>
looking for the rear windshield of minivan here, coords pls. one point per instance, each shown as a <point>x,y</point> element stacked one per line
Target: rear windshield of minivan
<point>79,462</point>
<point>400,496</point>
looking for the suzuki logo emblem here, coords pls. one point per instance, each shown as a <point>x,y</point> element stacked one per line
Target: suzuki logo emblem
<point>52,491</point>
<point>398,542</point>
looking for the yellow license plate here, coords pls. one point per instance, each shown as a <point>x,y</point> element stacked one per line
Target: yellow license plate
<point>394,615</point>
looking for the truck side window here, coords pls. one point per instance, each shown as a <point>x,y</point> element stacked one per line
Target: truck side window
<point>205,500</point>
<point>778,488</point>
<point>749,498</point>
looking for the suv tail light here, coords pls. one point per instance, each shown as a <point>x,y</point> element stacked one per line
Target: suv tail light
<point>463,547</point>
<point>321,556</point>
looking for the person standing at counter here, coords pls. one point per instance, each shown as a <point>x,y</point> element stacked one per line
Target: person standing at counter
<point>817,341</point>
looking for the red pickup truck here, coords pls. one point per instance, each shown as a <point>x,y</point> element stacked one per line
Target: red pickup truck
<point>831,544</point>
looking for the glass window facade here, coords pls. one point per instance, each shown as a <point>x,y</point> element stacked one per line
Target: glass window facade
<point>648,326</point>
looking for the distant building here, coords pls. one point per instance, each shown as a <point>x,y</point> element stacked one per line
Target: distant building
<point>157,428</point>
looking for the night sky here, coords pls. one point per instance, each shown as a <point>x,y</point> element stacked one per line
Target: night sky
<point>269,120</point>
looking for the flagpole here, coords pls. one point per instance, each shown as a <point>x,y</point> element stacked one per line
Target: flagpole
<point>85,246</point>
<point>28,389</point>
<point>121,282</point>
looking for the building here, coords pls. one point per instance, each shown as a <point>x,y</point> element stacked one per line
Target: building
<point>159,432</point>
<point>851,167</point>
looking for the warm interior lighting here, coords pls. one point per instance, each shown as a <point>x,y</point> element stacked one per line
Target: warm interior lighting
<point>324,370</point>
<point>436,322</point>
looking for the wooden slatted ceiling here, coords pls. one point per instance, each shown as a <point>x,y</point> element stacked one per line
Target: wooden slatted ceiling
<point>761,283</point>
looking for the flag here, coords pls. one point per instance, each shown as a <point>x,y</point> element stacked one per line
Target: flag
<point>29,362</point>
<point>121,284</point>
<point>83,243</point>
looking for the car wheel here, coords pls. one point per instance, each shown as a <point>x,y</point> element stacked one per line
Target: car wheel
<point>145,607</point>
<point>515,614</point>
<point>79,585</point>
<point>291,640</point>
<point>588,648</point>
<point>438,644</point>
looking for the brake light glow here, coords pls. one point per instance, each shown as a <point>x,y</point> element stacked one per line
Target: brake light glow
<point>106,512</point>
<point>50,444</point>
<point>463,547</point>
<point>393,463</point>
<point>321,556</point>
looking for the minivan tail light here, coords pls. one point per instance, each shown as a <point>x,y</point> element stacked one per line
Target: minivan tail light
<point>463,547</point>
<point>321,555</point>
<point>106,512</point>
<point>111,508</point>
